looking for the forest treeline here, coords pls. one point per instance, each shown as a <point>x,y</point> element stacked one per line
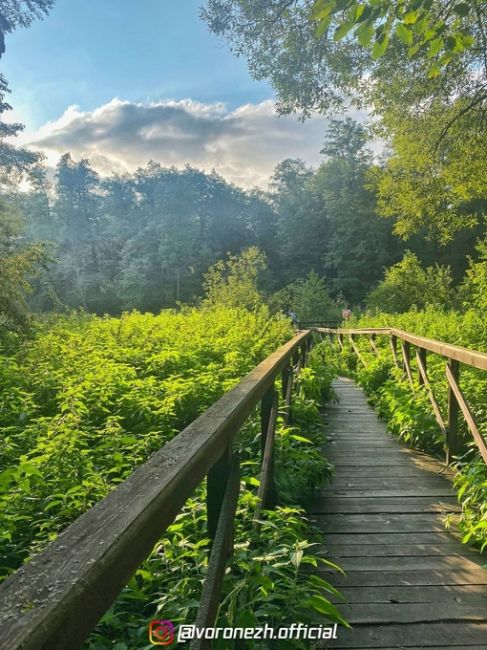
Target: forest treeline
<point>145,240</point>
<point>396,230</point>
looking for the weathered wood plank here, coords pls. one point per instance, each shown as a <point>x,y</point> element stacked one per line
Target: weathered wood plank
<point>435,635</point>
<point>378,539</point>
<point>413,594</point>
<point>347,505</point>
<point>390,613</point>
<point>399,550</point>
<point>384,472</point>
<point>360,486</point>
<point>398,578</point>
<point>407,563</point>
<point>381,523</point>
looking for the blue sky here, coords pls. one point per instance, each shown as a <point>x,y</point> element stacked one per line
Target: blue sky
<point>88,51</point>
<point>126,81</point>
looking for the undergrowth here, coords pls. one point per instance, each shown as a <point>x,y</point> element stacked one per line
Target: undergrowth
<point>85,400</point>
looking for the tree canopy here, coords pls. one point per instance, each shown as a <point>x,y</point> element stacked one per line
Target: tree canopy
<point>419,67</point>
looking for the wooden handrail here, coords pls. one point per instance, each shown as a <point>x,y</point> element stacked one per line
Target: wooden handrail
<point>455,354</point>
<point>56,599</point>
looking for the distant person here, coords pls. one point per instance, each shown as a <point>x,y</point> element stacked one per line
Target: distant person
<point>294,318</point>
<point>346,314</point>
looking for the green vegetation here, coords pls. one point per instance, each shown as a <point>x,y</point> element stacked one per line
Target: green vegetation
<point>94,377</point>
<point>87,399</point>
<point>409,414</point>
<point>266,582</point>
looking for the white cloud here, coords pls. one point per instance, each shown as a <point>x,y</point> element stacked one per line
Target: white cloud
<point>243,145</point>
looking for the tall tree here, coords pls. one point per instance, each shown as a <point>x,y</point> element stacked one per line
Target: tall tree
<point>361,244</point>
<point>420,66</point>
<point>302,223</point>
<point>77,219</point>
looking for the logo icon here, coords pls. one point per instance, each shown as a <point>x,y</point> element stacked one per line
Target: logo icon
<point>161,632</point>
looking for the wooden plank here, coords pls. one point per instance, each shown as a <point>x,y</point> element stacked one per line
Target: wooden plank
<point>266,485</point>
<point>407,563</point>
<point>404,578</point>
<point>399,550</point>
<point>450,647</point>
<point>412,594</point>
<point>423,635</point>
<point>378,539</point>
<point>357,489</point>
<point>407,613</point>
<point>380,523</point>
<point>386,472</point>
<point>420,360</point>
<point>406,356</point>
<point>337,505</point>
<point>387,453</point>
<point>57,598</point>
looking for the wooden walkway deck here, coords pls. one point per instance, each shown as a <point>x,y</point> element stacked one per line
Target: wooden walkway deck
<point>409,583</point>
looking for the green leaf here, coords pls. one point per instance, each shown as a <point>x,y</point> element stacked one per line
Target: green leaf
<point>410,18</point>
<point>435,46</point>
<point>404,34</point>
<point>322,27</point>
<point>462,9</point>
<point>343,30</point>
<point>364,34</point>
<point>323,606</point>
<point>322,9</point>
<point>434,71</point>
<point>380,46</point>
<point>414,49</point>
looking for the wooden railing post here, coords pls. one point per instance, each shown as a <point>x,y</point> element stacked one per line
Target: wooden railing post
<point>222,549</point>
<point>372,339</point>
<point>406,356</point>
<point>269,402</point>
<point>215,490</point>
<point>285,376</point>
<point>393,341</point>
<point>453,440</point>
<point>422,354</point>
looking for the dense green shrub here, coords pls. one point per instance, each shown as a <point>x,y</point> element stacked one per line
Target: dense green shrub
<point>407,285</point>
<point>87,399</point>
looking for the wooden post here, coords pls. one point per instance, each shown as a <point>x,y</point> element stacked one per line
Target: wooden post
<point>269,400</point>
<point>372,339</point>
<point>406,355</point>
<point>221,550</point>
<point>453,441</point>
<point>285,375</point>
<point>422,354</point>
<point>215,490</point>
<point>393,342</point>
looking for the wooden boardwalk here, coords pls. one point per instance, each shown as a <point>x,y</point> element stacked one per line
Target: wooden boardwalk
<point>409,582</point>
